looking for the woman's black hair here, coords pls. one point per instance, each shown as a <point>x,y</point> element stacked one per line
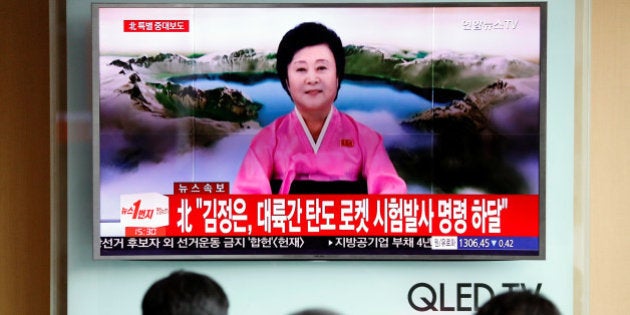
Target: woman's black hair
<point>304,35</point>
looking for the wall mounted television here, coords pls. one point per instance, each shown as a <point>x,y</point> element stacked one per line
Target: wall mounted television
<point>456,92</point>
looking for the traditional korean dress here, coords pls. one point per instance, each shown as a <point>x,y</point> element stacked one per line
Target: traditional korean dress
<point>345,155</point>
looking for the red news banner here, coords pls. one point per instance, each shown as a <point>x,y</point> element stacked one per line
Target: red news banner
<point>206,209</point>
<point>143,26</point>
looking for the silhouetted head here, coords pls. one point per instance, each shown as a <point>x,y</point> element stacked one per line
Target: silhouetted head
<point>518,303</point>
<point>185,293</point>
<point>316,311</point>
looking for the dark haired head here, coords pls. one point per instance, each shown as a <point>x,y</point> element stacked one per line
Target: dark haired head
<point>305,35</point>
<point>316,311</point>
<point>518,303</point>
<point>185,293</point>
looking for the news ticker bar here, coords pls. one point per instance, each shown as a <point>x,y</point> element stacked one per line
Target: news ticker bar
<point>319,245</point>
<point>189,215</point>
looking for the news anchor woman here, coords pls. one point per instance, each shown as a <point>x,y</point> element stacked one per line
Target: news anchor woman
<point>315,148</point>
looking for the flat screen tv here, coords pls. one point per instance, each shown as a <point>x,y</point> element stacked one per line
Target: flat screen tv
<point>433,148</point>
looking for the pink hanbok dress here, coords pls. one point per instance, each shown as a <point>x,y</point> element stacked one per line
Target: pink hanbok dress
<point>346,150</point>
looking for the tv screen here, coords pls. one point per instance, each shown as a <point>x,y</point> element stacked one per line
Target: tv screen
<point>373,132</point>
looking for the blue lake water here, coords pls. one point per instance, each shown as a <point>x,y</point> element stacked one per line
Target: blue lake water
<point>365,96</point>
